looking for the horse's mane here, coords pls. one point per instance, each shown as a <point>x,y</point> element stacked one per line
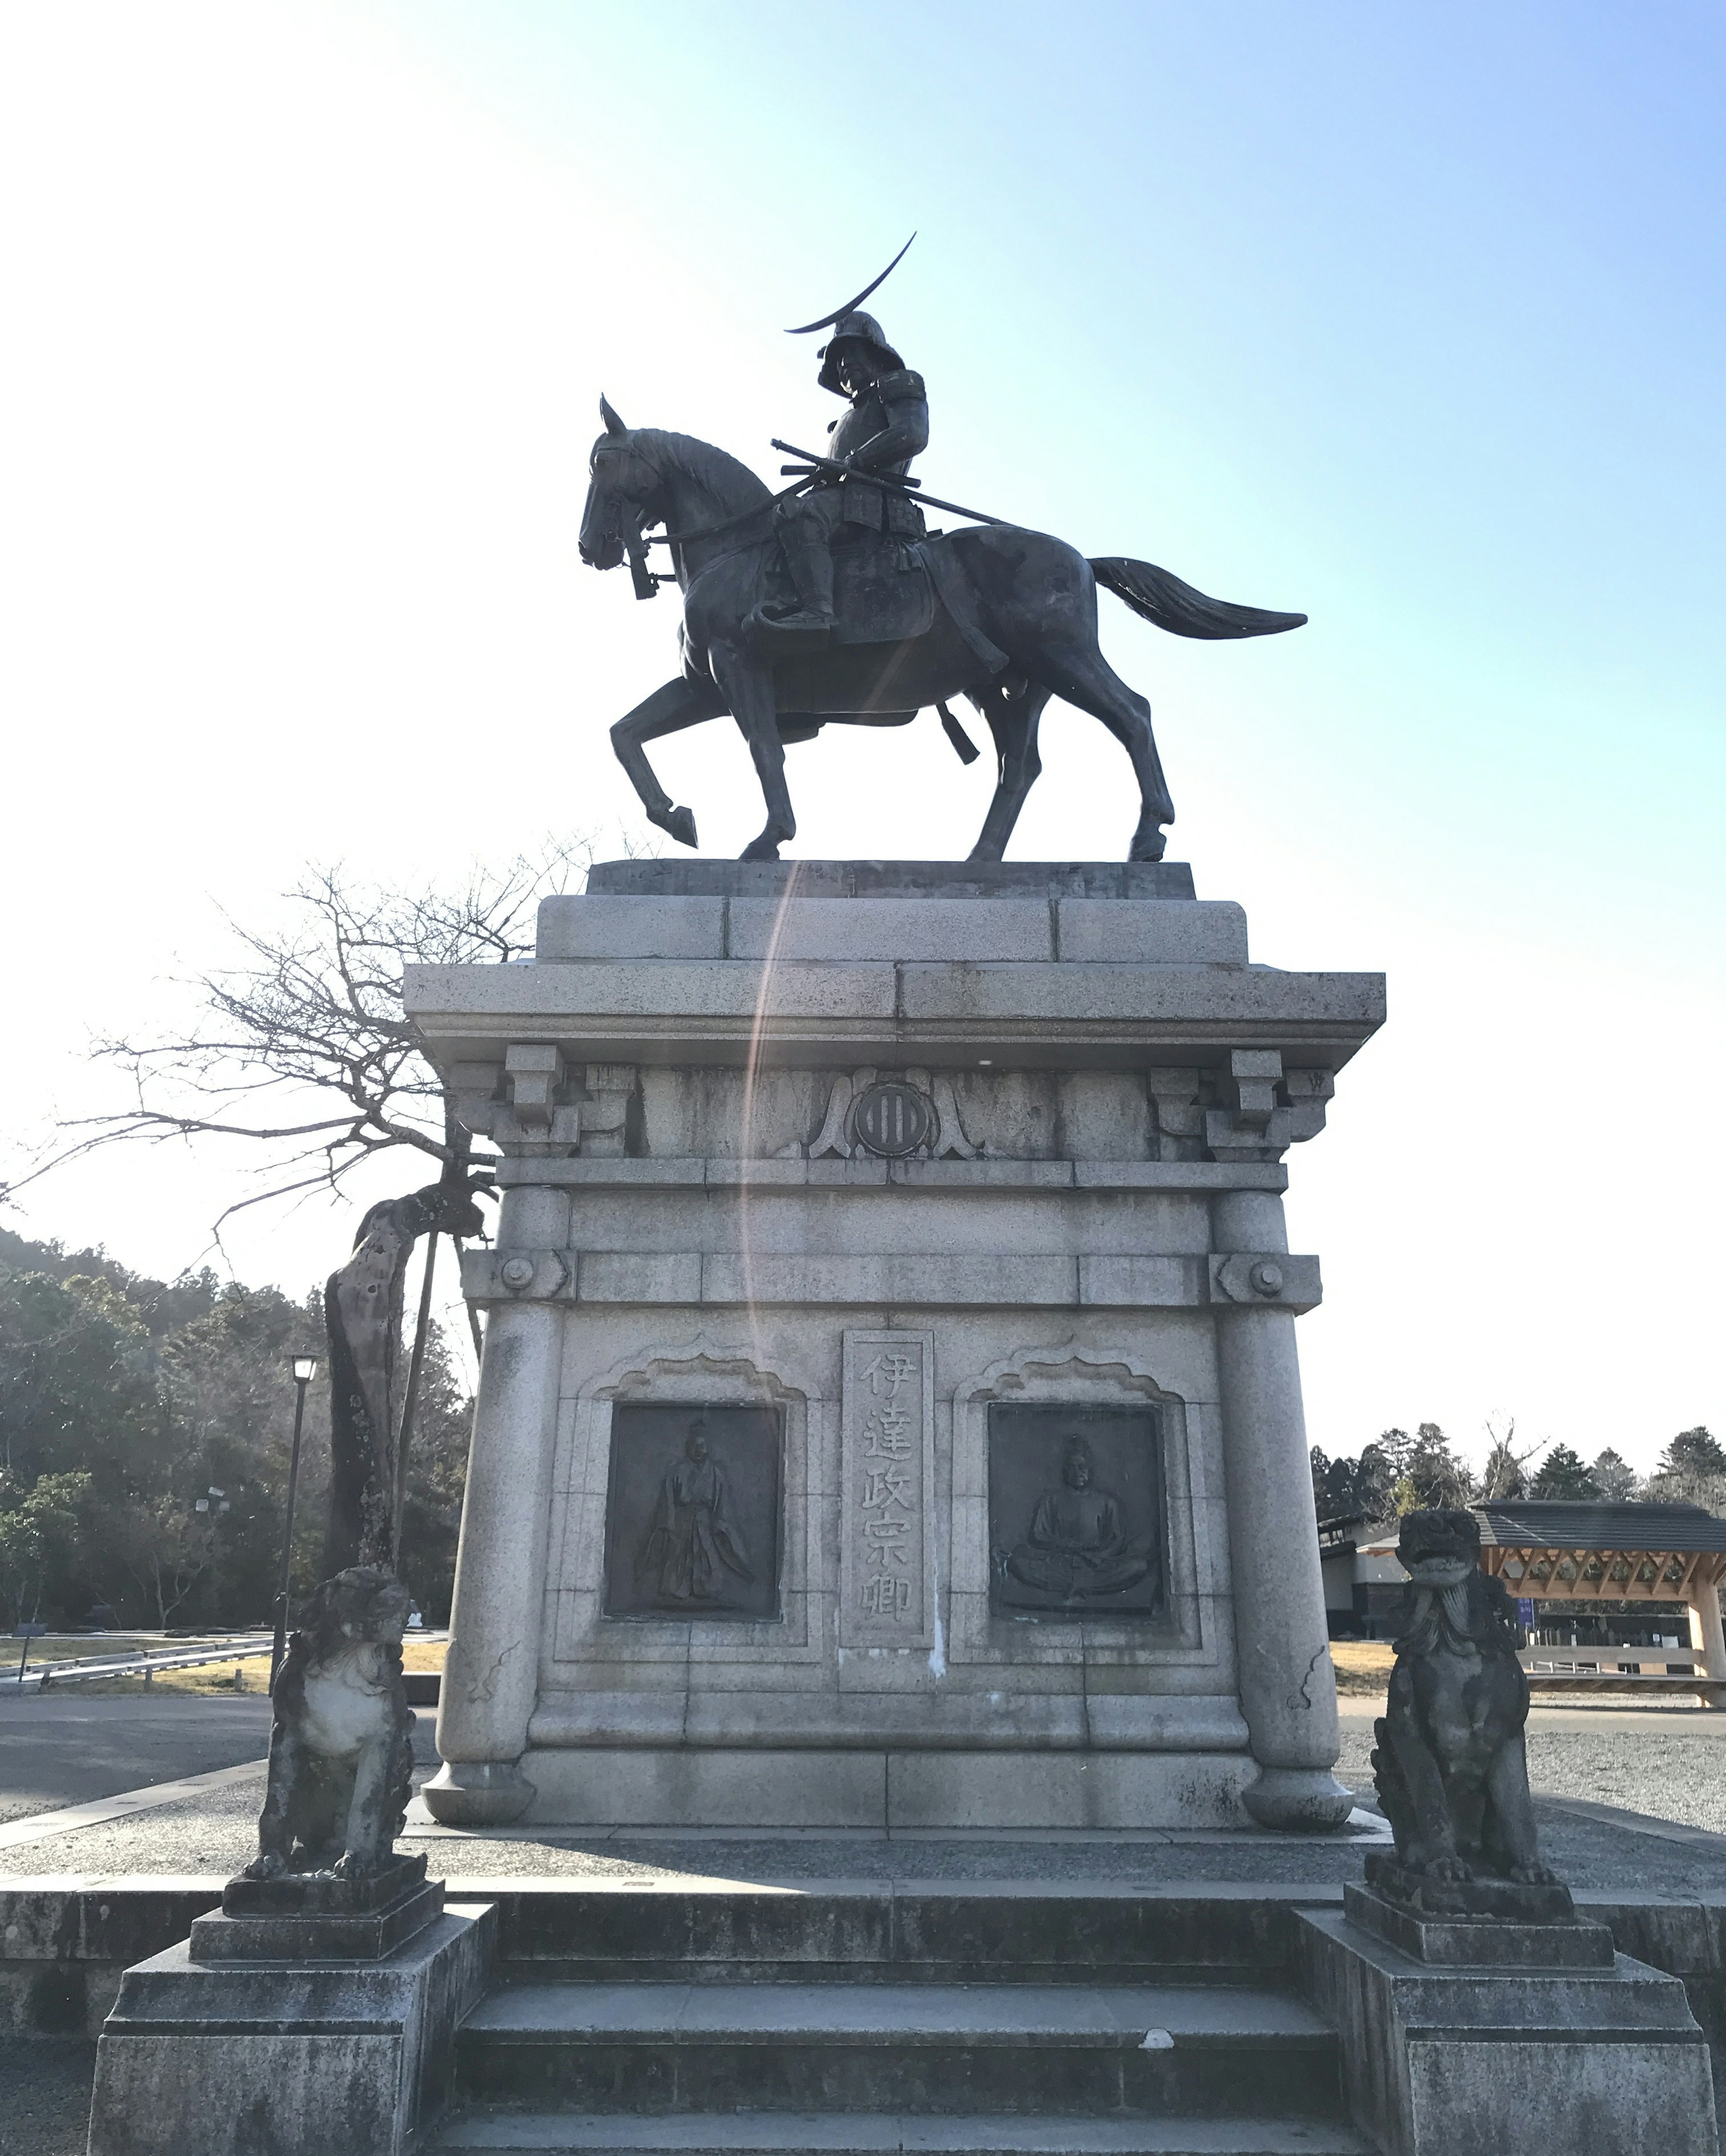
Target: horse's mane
<point>730,486</point>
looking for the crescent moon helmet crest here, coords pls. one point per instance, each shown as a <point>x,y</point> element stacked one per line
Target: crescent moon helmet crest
<point>850,306</point>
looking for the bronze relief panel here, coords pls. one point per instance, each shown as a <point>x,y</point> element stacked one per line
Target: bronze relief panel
<point>1077,1524</point>
<point>693,1512</point>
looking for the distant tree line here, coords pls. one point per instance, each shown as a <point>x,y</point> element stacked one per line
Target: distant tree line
<point>145,1430</point>
<point>1397,1473</point>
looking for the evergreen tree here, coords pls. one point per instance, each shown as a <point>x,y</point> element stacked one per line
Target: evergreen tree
<point>125,1401</point>
<point>1431,1465</point>
<point>1615,1479</point>
<point>1564,1473</point>
<point>1693,1453</point>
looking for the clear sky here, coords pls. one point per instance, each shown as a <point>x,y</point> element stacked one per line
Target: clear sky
<point>1406,317</point>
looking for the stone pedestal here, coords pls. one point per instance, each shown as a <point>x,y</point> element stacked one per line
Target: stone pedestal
<point>890,1413</point>
<point>255,2036</point>
<point>1446,2058</point>
<point>1477,1924</point>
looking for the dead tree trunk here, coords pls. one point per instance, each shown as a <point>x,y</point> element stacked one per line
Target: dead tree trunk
<point>362,1316</point>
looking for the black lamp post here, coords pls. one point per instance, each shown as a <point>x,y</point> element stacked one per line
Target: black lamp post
<point>304,1369</point>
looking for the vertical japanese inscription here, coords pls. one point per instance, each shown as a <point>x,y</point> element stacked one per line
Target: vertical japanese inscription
<point>887,1469</point>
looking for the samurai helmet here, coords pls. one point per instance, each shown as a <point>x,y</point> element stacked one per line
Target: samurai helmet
<point>850,326</point>
<point>853,328</point>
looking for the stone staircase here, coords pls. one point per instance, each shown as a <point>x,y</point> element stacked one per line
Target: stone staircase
<point>958,2021</point>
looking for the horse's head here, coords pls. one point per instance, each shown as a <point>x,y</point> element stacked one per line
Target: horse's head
<point>622,493</point>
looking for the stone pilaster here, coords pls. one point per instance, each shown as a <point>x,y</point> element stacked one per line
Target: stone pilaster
<point>491,1678</point>
<point>1287,1688</point>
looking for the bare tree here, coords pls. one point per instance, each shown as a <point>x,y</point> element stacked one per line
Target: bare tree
<point>305,1052</point>
<point>1504,1473</point>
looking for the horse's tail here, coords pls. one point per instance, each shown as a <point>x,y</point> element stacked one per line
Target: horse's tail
<point>1176,607</point>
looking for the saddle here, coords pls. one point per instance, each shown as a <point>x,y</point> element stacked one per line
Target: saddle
<point>882,591</point>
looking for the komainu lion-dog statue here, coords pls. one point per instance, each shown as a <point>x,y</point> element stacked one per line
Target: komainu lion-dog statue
<point>1451,1764</point>
<point>341,1748</point>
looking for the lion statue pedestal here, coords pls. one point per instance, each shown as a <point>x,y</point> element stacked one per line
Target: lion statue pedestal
<point>1467,1885</point>
<point>1466,1992</point>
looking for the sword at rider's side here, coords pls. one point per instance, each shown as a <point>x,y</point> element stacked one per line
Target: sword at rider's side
<point>908,488</point>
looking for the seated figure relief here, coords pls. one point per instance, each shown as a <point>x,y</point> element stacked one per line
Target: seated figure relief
<point>1077,1547</point>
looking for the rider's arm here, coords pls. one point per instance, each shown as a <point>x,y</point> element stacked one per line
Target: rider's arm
<point>907,432</point>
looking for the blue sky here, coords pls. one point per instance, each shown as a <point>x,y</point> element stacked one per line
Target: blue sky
<point>1407,318</point>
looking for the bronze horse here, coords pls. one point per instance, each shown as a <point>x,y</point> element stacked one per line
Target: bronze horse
<point>1016,624</point>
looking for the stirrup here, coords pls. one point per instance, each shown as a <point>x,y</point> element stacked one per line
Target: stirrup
<point>802,623</point>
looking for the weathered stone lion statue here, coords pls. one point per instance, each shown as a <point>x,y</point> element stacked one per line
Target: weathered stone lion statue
<point>1451,1765</point>
<point>341,1749</point>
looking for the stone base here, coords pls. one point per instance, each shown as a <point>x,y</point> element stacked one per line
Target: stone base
<point>300,2059</point>
<point>323,1893</point>
<point>478,1793</point>
<point>650,1786</point>
<point>296,1938</point>
<point>1299,1799</point>
<point>1451,2062</point>
<point>1478,1942</point>
<point>320,1916</point>
<point>1502,1901</point>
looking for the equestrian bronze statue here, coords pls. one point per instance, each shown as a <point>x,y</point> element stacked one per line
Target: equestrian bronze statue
<point>831,602</point>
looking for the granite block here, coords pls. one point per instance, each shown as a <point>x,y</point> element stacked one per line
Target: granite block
<point>681,878</point>
<point>297,2059</point>
<point>1209,932</point>
<point>1437,2061</point>
<point>598,928</point>
<point>840,928</point>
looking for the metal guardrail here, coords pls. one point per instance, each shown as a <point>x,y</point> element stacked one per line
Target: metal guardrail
<point>144,1665</point>
<point>86,1669</point>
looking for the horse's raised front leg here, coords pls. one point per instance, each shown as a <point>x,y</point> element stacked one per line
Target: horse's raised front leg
<point>1013,718</point>
<point>667,710</point>
<point>747,688</point>
<point>1081,676</point>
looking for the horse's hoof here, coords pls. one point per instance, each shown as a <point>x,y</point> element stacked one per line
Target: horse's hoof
<point>1150,848</point>
<point>682,825</point>
<point>761,849</point>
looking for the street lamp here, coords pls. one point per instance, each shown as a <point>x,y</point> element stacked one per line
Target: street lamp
<point>304,1369</point>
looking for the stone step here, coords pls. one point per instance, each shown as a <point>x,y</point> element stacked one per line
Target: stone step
<point>959,2048</point>
<point>509,2133</point>
<point>863,1932</point>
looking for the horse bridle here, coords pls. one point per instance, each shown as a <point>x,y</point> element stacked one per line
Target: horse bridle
<point>646,580</point>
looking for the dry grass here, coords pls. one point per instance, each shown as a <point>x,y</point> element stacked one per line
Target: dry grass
<point>1362,1666</point>
<point>215,1680</point>
<point>58,1647</point>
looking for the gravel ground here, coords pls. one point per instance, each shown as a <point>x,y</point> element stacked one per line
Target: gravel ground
<point>1663,1765</point>
<point>44,2098</point>
<point>1667,1762</point>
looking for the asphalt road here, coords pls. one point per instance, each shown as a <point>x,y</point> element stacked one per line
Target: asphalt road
<point>67,1750</point>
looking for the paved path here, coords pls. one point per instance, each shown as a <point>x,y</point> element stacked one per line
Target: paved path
<point>1630,1797</point>
<point>66,1748</point>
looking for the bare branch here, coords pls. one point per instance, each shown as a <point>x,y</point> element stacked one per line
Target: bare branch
<point>315,1008</point>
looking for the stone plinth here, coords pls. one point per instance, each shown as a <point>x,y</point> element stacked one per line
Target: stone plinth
<point>1472,2059</point>
<point>317,1917</point>
<point>299,2055</point>
<point>951,1194</point>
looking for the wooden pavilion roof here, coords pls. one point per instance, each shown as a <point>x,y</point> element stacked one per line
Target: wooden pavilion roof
<point>1574,1552</point>
<point>1547,1523</point>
